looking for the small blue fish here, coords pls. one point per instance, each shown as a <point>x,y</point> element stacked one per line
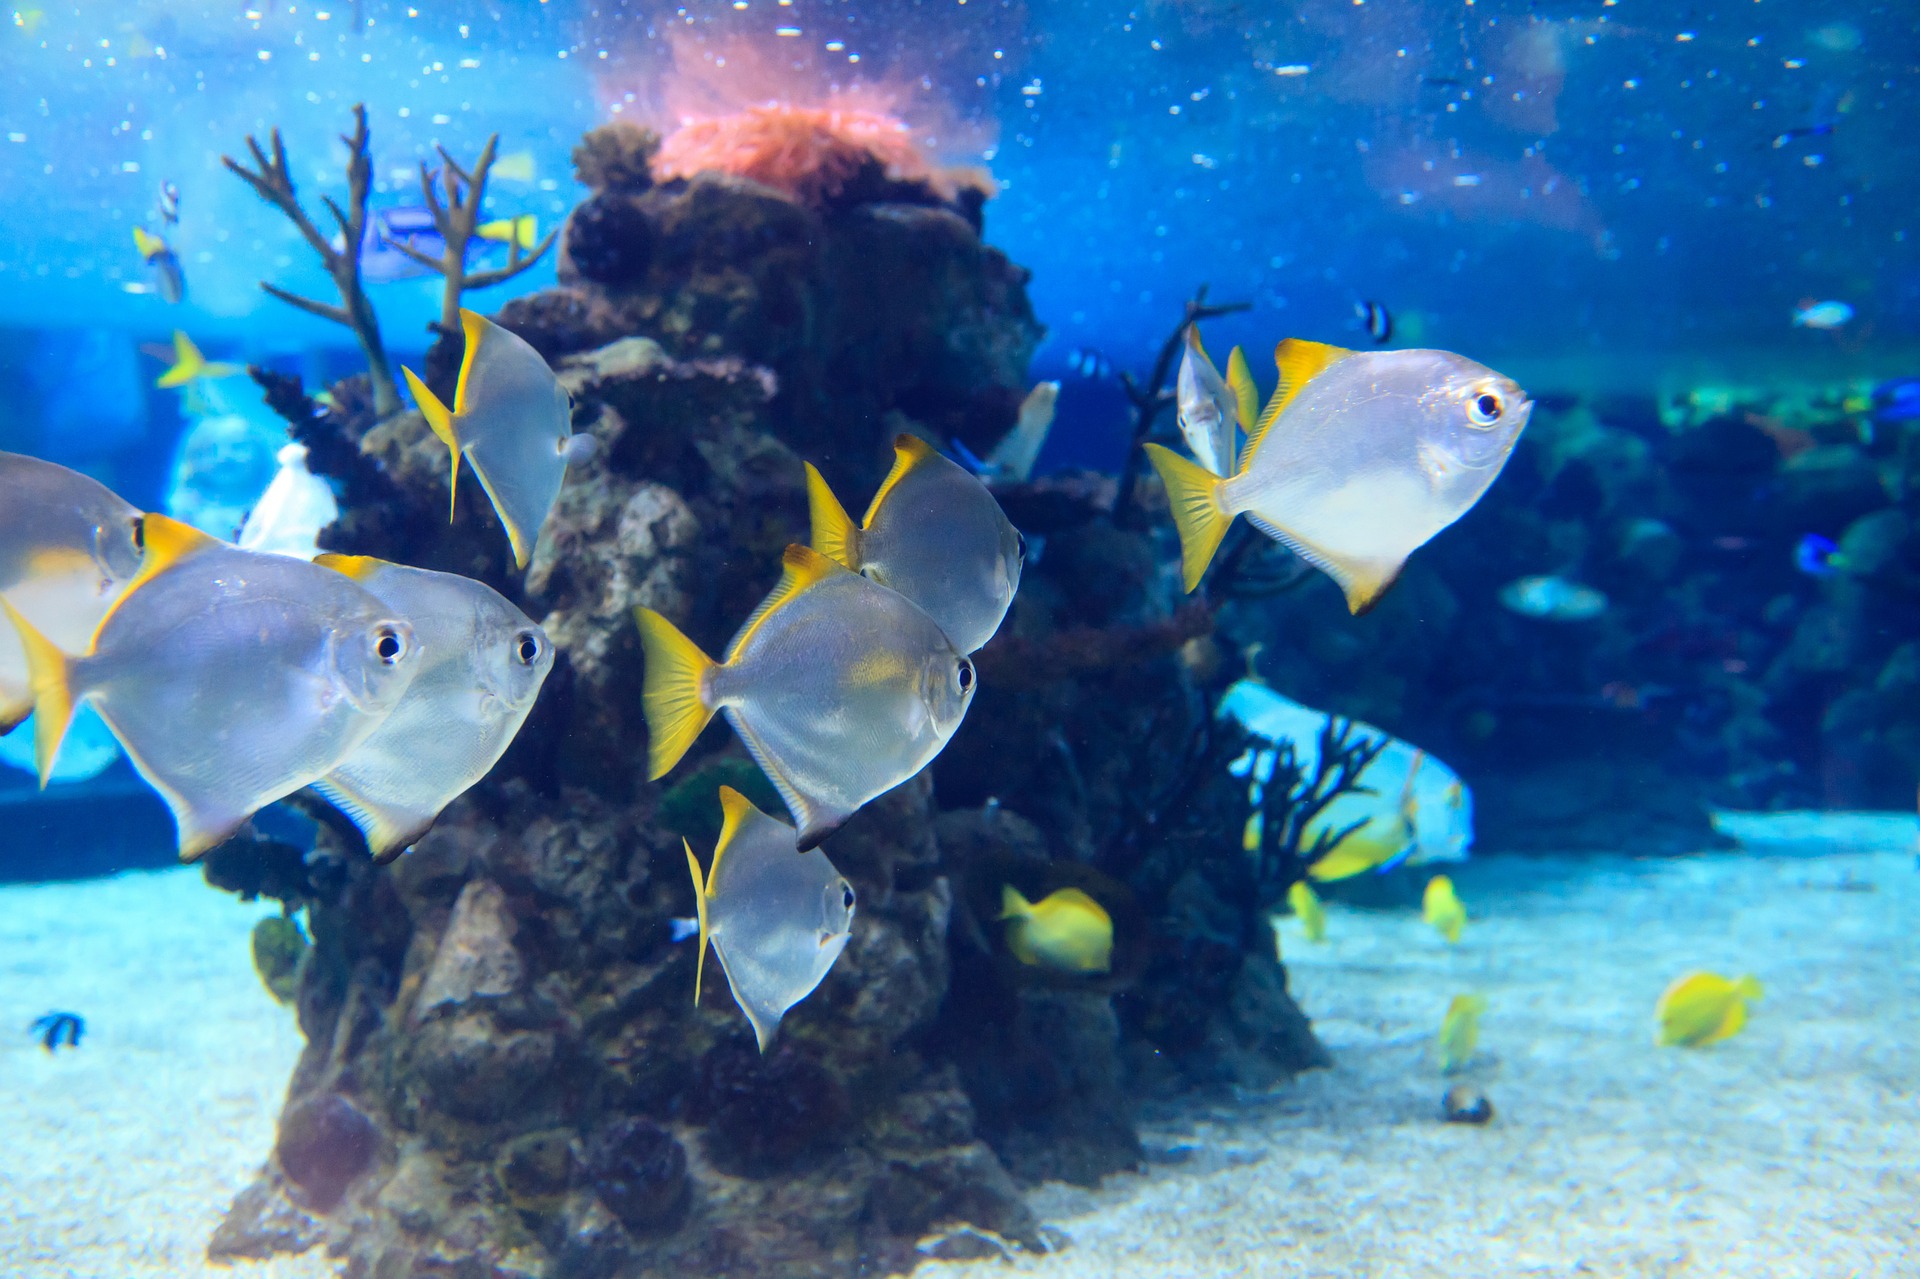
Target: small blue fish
<point>1818,556</point>
<point>1375,321</point>
<point>55,1027</point>
<point>1821,315</point>
<point>1897,401</point>
<point>683,928</point>
<point>1089,363</point>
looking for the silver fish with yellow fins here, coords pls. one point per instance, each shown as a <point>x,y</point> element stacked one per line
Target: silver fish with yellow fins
<point>1066,930</point>
<point>232,679</point>
<point>68,547</point>
<point>482,665</point>
<point>1208,408</point>
<point>933,533</point>
<point>840,688</point>
<point>777,919</point>
<point>513,421</point>
<point>1703,1008</point>
<point>1357,460</point>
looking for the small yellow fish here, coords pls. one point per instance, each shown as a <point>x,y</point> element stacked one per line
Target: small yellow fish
<point>1459,1032</point>
<point>515,166</point>
<point>523,230</point>
<point>777,919</point>
<point>1307,907</point>
<point>1356,462</point>
<point>1440,906</point>
<point>513,420</point>
<point>1703,1008</point>
<point>933,533</point>
<point>840,688</point>
<point>190,366</point>
<point>1065,930</point>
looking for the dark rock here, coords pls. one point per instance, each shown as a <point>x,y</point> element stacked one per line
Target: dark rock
<point>616,157</point>
<point>264,1223</point>
<point>325,1142</point>
<point>766,1111</point>
<point>639,1171</point>
<point>535,1170</point>
<point>608,240</point>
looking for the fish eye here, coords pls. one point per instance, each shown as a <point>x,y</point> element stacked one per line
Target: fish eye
<point>846,896</point>
<point>966,675</point>
<point>139,523</point>
<point>389,645</point>
<point>527,648</point>
<point>1484,409</point>
<point>1020,545</point>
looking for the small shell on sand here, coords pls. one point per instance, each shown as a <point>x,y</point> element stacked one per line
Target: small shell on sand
<point>1465,1104</point>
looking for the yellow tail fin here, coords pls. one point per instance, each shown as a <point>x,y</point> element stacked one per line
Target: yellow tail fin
<point>835,535</point>
<point>1194,493</point>
<point>187,365</point>
<point>52,695</point>
<point>440,420</point>
<point>1012,904</point>
<point>1748,987</point>
<point>674,692</point>
<point>699,905</point>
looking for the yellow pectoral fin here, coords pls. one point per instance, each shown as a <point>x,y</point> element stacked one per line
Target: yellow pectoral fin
<point>440,421</point>
<point>800,568</point>
<point>834,533</point>
<point>1194,494</point>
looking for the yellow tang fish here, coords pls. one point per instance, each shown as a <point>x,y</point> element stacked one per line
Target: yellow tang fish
<point>933,533</point>
<point>522,231</point>
<point>513,420</point>
<point>68,547</point>
<point>840,688</point>
<point>1357,460</point>
<point>1703,1008</point>
<point>232,679</point>
<point>1440,906</point>
<point>483,662</point>
<point>1459,1032</point>
<point>777,919</point>
<point>1308,908</point>
<point>1066,930</point>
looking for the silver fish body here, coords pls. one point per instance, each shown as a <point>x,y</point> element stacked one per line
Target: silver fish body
<point>778,919</point>
<point>1207,407</point>
<point>1012,459</point>
<point>481,666</point>
<point>231,679</point>
<point>68,548</point>
<point>935,534</point>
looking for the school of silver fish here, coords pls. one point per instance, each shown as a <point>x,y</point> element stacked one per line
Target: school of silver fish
<point>234,678</point>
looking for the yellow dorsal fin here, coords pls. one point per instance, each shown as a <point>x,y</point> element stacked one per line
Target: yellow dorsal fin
<point>909,451</point>
<point>1246,395</point>
<point>440,421</point>
<point>474,326</point>
<point>735,809</point>
<point>1075,897</point>
<point>834,534</point>
<point>164,542</point>
<point>800,568</point>
<point>700,908</point>
<point>360,568</point>
<point>1299,362</point>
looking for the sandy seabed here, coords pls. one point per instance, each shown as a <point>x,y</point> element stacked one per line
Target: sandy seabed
<point>1792,1150</point>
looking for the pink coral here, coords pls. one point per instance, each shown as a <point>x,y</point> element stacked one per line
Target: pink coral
<point>810,153</point>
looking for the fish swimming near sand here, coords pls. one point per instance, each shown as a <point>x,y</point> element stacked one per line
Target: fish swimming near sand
<point>513,421</point>
<point>1209,411</point>
<point>190,366</point>
<point>777,919</point>
<point>1703,1008</point>
<point>56,1029</point>
<point>1357,460</point>
<point>840,688</point>
<point>482,665</point>
<point>1441,907</point>
<point>934,534</point>
<point>1066,930</point>
<point>68,547</point>
<point>231,679</point>
<point>1459,1032</point>
<point>1012,459</point>
<point>1308,909</point>
<point>1552,599</point>
<point>163,262</point>
<point>290,516</point>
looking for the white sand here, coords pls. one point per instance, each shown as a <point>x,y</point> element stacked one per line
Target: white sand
<point>1792,1150</point>
<point>118,1160</point>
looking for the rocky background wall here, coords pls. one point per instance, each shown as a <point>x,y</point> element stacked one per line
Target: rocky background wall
<point>505,1071</point>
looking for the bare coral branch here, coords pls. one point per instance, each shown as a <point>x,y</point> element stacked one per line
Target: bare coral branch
<point>272,181</point>
<point>456,208</point>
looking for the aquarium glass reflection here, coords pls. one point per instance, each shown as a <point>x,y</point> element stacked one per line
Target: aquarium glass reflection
<point>833,638</point>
